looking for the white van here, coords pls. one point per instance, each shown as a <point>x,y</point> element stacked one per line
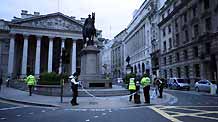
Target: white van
<point>178,83</point>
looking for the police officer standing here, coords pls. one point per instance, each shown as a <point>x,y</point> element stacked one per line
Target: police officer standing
<point>132,87</point>
<point>145,82</point>
<point>160,87</point>
<point>74,87</point>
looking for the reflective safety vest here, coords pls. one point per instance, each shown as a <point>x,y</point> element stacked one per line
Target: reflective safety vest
<point>132,85</point>
<point>31,80</point>
<point>145,81</point>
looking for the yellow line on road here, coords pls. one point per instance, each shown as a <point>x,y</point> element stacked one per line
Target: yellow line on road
<point>165,114</point>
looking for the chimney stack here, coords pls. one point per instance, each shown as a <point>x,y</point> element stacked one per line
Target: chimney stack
<point>36,13</point>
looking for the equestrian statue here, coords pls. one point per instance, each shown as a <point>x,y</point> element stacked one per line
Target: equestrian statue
<point>89,30</point>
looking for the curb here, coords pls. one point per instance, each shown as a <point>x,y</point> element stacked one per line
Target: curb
<point>28,103</point>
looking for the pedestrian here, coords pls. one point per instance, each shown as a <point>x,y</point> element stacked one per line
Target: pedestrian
<point>160,85</point>
<point>145,82</point>
<point>137,94</point>
<point>132,87</point>
<point>74,87</point>
<point>31,82</point>
<point>1,81</point>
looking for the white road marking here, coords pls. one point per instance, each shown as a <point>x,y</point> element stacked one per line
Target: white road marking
<point>95,116</point>
<point>87,120</point>
<point>43,111</point>
<point>3,118</point>
<point>11,108</point>
<point>103,114</point>
<point>18,115</point>
<point>164,114</point>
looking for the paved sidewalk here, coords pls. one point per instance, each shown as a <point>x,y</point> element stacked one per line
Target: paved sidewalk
<point>19,96</point>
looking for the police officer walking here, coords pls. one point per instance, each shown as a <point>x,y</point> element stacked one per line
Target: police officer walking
<point>31,82</point>
<point>132,87</point>
<point>145,82</point>
<point>74,87</point>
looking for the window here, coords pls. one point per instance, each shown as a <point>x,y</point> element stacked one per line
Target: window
<point>165,60</point>
<point>177,38</point>
<point>187,71</point>
<point>164,33</point>
<point>165,45</point>
<point>208,24</point>
<point>194,11</point>
<point>169,29</point>
<point>206,4</point>
<point>195,51</point>
<point>168,11</point>
<point>171,73</point>
<point>185,54</point>
<point>196,32</point>
<point>185,17</point>
<point>208,46</point>
<point>165,74</point>
<point>170,59</point>
<point>197,70</point>
<point>162,16</point>
<point>170,43</point>
<point>177,57</point>
<point>178,72</point>
<point>176,25</point>
<point>186,36</point>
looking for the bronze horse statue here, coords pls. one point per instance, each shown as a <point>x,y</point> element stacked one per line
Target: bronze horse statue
<point>89,30</point>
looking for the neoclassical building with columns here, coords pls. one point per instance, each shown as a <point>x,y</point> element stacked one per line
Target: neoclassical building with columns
<point>33,44</point>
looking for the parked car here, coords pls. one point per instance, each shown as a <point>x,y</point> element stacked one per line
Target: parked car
<point>119,80</point>
<point>203,85</point>
<point>178,83</point>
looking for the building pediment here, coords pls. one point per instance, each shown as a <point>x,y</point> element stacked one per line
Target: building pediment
<point>57,21</point>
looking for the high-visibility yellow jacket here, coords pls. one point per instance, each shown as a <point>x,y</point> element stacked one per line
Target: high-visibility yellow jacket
<point>30,80</point>
<point>145,81</point>
<point>132,85</point>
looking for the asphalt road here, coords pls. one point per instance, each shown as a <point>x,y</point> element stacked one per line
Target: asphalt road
<point>190,107</point>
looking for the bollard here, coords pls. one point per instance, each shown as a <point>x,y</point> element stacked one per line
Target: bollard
<point>62,90</point>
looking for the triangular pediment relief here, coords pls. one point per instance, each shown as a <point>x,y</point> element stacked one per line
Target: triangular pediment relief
<point>55,21</point>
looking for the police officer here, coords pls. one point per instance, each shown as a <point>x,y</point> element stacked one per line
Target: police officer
<point>160,87</point>
<point>145,82</point>
<point>74,87</point>
<point>132,87</point>
<point>31,82</point>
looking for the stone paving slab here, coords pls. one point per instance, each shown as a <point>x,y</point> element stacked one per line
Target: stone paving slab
<point>19,96</point>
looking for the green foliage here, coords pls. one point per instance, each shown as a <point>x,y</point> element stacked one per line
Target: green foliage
<point>51,78</point>
<point>126,80</point>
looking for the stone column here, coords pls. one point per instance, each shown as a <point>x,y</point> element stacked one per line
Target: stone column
<point>37,62</point>
<point>50,54</point>
<point>61,62</point>
<point>24,58</point>
<point>11,56</point>
<point>73,65</point>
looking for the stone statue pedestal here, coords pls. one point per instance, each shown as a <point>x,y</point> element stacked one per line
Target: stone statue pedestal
<point>90,69</point>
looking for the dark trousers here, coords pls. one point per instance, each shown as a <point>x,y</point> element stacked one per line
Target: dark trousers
<point>160,88</point>
<point>131,92</point>
<point>75,94</point>
<point>146,90</point>
<point>30,89</point>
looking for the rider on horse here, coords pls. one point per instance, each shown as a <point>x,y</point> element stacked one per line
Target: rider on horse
<point>89,30</point>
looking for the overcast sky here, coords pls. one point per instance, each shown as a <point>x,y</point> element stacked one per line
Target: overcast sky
<point>112,16</point>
